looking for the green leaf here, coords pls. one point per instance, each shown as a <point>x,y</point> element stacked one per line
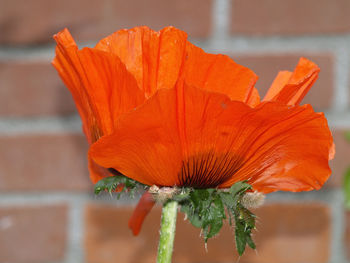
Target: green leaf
<point>247,216</point>
<point>245,222</point>
<point>220,207</point>
<point>240,237</point>
<point>346,186</point>
<point>111,183</point>
<point>214,228</point>
<point>200,198</point>
<point>239,187</point>
<point>347,136</point>
<point>107,184</point>
<point>250,242</point>
<point>182,196</point>
<point>205,209</point>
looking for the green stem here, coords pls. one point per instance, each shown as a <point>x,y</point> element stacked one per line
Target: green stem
<point>167,232</point>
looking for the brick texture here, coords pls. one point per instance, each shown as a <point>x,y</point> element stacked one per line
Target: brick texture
<point>32,88</point>
<point>33,234</point>
<point>25,92</point>
<point>268,65</point>
<point>287,233</point>
<point>341,160</point>
<point>292,233</point>
<point>36,21</point>
<point>43,162</point>
<point>347,234</point>
<point>91,20</point>
<point>195,16</point>
<point>290,17</point>
<point>38,163</point>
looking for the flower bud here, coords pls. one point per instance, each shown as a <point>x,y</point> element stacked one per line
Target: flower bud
<point>253,200</point>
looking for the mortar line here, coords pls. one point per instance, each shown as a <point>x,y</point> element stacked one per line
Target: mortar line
<point>227,42</point>
<point>334,199</point>
<point>220,20</point>
<point>338,225</point>
<point>41,125</point>
<point>341,93</point>
<point>76,223</point>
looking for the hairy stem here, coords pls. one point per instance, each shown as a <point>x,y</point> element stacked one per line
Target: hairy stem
<point>167,232</point>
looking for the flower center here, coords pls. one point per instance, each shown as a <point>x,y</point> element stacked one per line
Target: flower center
<point>209,170</point>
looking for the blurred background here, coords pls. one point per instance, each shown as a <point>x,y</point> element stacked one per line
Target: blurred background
<point>48,212</point>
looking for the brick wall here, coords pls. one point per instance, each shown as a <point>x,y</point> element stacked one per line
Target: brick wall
<point>47,210</point>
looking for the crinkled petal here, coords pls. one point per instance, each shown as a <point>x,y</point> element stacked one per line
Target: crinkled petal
<point>219,73</point>
<point>142,209</point>
<point>159,59</point>
<point>65,62</point>
<point>154,58</point>
<point>96,172</point>
<point>101,86</point>
<point>288,148</point>
<point>254,98</point>
<point>191,137</point>
<point>144,146</point>
<point>290,88</point>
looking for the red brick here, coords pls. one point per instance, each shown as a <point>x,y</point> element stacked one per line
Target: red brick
<point>286,233</point>
<point>292,233</point>
<point>193,16</point>
<point>43,162</point>
<point>341,160</point>
<point>107,235</point>
<point>24,22</point>
<point>347,234</point>
<point>290,17</point>
<point>268,65</point>
<point>33,234</point>
<point>32,94</point>
<point>32,88</point>
<point>91,20</point>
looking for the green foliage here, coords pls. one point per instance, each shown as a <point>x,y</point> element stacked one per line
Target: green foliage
<point>124,184</point>
<point>347,188</point>
<point>347,136</point>
<point>205,209</point>
<point>346,182</point>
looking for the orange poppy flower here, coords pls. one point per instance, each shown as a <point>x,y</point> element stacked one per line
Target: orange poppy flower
<point>163,112</point>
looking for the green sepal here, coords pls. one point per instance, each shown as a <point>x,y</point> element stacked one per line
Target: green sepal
<point>245,223</point>
<point>111,183</point>
<point>205,209</point>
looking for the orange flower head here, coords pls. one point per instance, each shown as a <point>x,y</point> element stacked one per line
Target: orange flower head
<point>163,112</point>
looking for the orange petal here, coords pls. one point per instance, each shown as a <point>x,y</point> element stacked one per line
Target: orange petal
<point>154,58</point>
<point>254,98</point>
<point>142,209</point>
<point>144,146</point>
<point>218,73</point>
<point>291,88</point>
<point>288,149</point>
<point>278,84</point>
<point>151,143</point>
<point>192,137</point>
<point>96,172</point>
<point>64,63</point>
<point>101,86</point>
